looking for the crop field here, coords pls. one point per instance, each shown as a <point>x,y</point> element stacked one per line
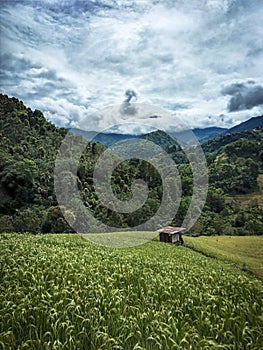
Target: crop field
<point>244,251</point>
<point>63,292</point>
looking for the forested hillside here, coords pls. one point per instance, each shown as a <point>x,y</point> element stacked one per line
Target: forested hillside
<point>28,149</point>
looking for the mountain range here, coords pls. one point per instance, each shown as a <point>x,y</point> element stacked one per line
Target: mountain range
<point>187,136</point>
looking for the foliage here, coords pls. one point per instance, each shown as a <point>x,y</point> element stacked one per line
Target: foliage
<point>28,201</point>
<point>28,146</point>
<point>61,292</point>
<point>216,145</point>
<point>236,176</point>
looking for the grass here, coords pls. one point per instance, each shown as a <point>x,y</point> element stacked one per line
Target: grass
<point>247,199</point>
<point>64,292</point>
<point>121,239</point>
<point>244,251</point>
<point>260,182</point>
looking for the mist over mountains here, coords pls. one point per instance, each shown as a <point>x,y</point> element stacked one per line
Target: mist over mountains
<point>187,136</point>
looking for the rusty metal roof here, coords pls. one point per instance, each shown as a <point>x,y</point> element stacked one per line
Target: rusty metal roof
<point>171,229</point>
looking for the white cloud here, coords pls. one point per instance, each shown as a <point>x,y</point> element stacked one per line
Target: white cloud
<point>72,58</point>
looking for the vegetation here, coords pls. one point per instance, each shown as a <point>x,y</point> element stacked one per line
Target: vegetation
<point>245,252</point>
<point>62,292</point>
<point>28,202</point>
<point>247,200</point>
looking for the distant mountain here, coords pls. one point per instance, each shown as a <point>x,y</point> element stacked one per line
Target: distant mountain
<point>216,144</point>
<point>106,139</point>
<point>251,129</point>
<point>206,134</point>
<point>203,135</point>
<point>250,124</point>
<point>186,136</point>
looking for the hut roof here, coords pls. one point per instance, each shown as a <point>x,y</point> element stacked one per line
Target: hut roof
<point>171,230</point>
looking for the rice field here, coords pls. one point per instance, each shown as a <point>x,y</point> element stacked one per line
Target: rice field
<point>246,252</point>
<point>64,292</point>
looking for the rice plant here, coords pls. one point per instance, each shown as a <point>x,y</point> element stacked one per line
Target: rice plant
<point>63,292</point>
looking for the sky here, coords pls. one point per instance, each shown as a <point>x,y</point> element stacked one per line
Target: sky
<point>199,61</point>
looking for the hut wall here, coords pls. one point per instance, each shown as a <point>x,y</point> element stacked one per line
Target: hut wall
<point>175,238</point>
<point>164,237</point>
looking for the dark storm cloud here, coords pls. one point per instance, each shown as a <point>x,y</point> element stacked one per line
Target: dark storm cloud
<point>244,96</point>
<point>234,89</point>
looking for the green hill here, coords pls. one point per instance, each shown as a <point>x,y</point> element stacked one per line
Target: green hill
<point>29,146</point>
<point>216,144</point>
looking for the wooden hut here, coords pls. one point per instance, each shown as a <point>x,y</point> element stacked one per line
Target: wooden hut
<point>173,235</point>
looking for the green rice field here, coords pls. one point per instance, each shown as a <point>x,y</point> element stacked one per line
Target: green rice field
<point>246,252</point>
<point>64,292</point>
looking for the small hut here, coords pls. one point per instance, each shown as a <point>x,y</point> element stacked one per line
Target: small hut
<point>170,234</point>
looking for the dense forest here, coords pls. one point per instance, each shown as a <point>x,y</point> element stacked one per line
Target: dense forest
<point>29,146</point>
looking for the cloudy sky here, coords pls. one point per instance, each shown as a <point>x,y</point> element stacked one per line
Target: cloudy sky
<point>200,60</point>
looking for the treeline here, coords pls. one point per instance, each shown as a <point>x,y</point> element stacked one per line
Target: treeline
<point>28,149</point>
